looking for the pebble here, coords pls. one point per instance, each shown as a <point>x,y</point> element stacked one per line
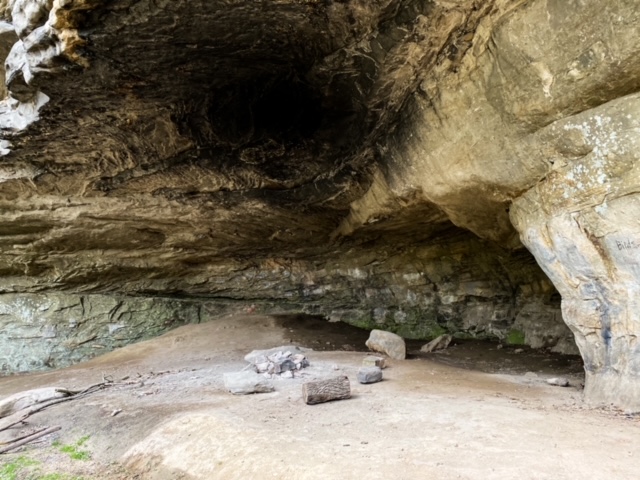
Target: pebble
<point>558,382</point>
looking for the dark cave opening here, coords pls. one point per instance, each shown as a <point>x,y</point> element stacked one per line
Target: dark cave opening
<point>483,355</point>
<point>283,108</point>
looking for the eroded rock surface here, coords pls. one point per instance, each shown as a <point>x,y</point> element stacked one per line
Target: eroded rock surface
<point>582,223</point>
<point>377,162</point>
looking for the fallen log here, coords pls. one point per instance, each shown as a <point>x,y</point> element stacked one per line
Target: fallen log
<point>29,438</point>
<point>337,388</point>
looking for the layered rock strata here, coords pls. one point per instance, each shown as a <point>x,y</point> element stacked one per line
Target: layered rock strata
<point>379,162</point>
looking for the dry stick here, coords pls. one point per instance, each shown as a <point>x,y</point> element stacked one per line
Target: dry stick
<point>21,415</point>
<point>13,419</point>
<point>24,436</point>
<point>28,439</point>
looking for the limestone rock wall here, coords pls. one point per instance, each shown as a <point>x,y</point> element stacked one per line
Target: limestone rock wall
<point>459,285</point>
<point>51,331</point>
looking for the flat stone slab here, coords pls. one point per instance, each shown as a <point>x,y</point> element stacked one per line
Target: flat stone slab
<point>369,375</point>
<point>558,382</point>
<point>439,343</point>
<point>387,342</point>
<point>374,361</point>
<point>244,383</point>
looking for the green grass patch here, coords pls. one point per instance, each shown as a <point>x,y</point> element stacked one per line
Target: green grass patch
<point>10,470</point>
<point>75,450</point>
<point>29,469</point>
<point>24,468</point>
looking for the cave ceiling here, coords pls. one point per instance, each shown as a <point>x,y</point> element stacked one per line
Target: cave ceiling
<point>208,129</point>
<point>153,139</point>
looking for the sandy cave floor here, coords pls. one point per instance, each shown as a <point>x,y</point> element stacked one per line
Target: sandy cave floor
<point>470,412</point>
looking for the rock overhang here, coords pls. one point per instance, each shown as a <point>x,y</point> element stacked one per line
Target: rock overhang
<point>250,150</point>
<point>275,105</point>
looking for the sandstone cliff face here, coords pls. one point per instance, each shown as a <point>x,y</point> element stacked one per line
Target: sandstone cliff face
<point>378,162</point>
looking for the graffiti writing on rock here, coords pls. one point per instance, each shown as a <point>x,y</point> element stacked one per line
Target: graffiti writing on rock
<point>627,244</point>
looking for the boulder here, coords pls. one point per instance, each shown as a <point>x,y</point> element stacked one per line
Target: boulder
<point>244,383</point>
<point>388,343</point>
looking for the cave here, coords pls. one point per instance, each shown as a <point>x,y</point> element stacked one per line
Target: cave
<point>421,167</point>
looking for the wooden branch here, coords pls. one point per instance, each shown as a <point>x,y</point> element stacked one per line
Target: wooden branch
<point>20,438</point>
<point>21,400</point>
<point>29,438</point>
<point>337,388</point>
<point>14,419</point>
<point>21,415</point>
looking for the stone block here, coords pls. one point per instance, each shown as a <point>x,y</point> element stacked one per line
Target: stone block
<point>374,361</point>
<point>244,383</point>
<point>369,375</point>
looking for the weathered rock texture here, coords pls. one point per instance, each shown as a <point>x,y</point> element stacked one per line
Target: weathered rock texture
<point>38,331</point>
<point>364,160</point>
<point>387,343</point>
<point>582,222</point>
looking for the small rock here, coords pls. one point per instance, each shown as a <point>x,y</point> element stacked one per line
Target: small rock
<point>300,361</point>
<point>518,350</point>
<point>369,375</point>
<point>387,342</point>
<point>558,382</point>
<point>373,361</point>
<point>284,366</point>
<point>243,383</point>
<point>439,343</point>
<point>531,375</point>
<point>262,367</point>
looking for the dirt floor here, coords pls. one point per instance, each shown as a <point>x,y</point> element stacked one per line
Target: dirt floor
<point>473,411</point>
